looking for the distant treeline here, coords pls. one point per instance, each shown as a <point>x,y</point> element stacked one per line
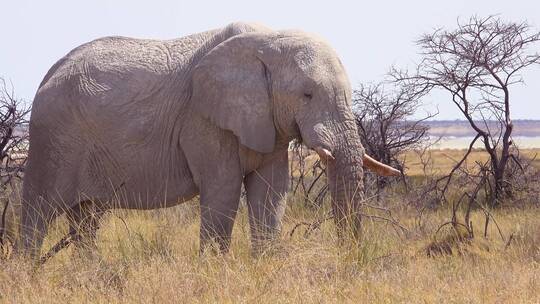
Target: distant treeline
<point>462,128</point>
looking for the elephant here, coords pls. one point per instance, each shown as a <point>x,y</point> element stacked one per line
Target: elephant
<point>142,124</point>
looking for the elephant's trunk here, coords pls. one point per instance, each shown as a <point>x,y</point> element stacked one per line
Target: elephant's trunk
<point>345,178</point>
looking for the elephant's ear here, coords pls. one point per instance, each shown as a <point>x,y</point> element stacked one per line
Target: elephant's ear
<point>232,88</point>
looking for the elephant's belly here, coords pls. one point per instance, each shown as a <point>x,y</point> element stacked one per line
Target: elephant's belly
<point>136,176</point>
<point>148,184</point>
<point>143,197</point>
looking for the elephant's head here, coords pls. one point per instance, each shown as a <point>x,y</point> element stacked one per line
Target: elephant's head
<point>270,87</point>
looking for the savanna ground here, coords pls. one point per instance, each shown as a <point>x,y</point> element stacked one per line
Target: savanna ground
<point>153,257</point>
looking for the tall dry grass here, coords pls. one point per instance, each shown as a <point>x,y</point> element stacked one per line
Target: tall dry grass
<point>152,257</point>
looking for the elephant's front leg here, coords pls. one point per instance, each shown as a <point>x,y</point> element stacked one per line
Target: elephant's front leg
<point>214,162</point>
<point>219,203</point>
<point>266,197</point>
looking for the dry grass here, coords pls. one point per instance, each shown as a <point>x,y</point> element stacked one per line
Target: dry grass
<point>445,159</point>
<point>155,259</point>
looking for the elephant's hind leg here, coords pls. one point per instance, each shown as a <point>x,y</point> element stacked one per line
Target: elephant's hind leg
<point>84,221</point>
<point>35,219</point>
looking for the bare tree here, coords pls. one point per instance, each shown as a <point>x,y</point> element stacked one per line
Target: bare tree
<point>13,146</point>
<point>477,64</point>
<point>387,121</point>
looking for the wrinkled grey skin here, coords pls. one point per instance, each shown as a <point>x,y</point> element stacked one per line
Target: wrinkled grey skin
<point>149,124</point>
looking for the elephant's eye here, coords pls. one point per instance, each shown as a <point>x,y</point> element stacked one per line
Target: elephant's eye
<point>308,96</point>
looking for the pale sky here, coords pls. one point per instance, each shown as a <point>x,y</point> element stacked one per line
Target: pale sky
<point>369,36</point>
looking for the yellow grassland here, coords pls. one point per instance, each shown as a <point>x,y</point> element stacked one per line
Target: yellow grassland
<point>443,160</point>
<point>152,257</point>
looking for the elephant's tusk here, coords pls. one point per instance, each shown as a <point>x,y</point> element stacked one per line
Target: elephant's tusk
<point>324,154</point>
<point>369,163</point>
<point>378,167</point>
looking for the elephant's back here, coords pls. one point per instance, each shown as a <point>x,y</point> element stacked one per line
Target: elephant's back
<point>105,81</point>
<point>103,64</point>
<point>108,83</point>
<point>118,68</point>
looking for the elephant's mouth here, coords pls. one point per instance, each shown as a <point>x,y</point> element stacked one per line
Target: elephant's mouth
<point>297,133</point>
<point>324,152</point>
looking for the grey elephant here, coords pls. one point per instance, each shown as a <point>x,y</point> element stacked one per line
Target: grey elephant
<point>149,124</point>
